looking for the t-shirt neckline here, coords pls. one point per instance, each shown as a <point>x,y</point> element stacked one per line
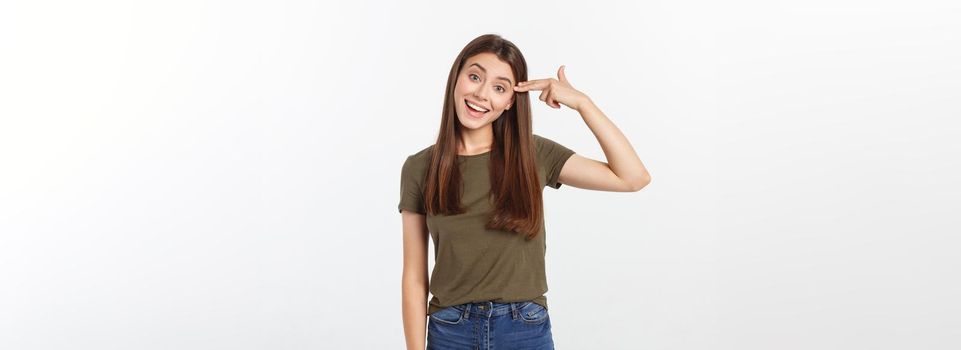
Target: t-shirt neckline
<point>473,155</point>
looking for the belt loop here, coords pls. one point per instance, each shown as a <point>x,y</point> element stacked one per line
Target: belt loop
<point>514,311</point>
<point>467,311</point>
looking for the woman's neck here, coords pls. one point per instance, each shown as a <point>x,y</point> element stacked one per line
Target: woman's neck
<point>476,141</point>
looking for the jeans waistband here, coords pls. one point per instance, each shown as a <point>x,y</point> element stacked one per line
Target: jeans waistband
<point>491,309</point>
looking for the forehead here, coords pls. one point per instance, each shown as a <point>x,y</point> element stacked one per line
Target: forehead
<point>492,64</point>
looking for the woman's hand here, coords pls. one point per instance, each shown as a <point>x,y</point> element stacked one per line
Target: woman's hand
<point>555,92</point>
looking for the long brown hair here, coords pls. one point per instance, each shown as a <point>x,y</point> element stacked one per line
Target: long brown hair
<point>517,202</point>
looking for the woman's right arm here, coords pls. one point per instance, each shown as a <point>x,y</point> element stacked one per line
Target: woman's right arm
<point>414,280</point>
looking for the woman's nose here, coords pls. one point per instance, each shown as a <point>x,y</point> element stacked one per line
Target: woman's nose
<point>480,97</point>
<point>481,93</point>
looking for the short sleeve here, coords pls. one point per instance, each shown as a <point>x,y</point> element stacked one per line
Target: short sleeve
<point>411,181</point>
<point>554,156</point>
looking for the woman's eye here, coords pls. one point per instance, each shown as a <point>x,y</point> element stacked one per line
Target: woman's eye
<point>472,76</point>
<point>500,88</point>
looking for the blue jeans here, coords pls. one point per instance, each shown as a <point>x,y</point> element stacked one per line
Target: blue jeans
<point>490,325</point>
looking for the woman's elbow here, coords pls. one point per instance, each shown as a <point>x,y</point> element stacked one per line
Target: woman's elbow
<point>638,185</point>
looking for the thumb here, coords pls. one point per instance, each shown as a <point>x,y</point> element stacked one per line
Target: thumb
<point>561,75</point>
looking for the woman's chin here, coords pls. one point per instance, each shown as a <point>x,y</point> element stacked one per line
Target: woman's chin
<point>471,123</point>
<point>469,126</point>
<point>474,123</point>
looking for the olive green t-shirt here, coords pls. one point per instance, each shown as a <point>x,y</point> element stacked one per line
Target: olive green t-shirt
<point>472,263</point>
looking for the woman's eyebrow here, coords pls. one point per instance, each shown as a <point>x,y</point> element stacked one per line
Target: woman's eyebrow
<point>485,71</point>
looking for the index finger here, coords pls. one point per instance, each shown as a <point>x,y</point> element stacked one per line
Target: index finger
<point>538,84</point>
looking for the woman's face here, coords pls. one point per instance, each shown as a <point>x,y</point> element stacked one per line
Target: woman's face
<point>484,90</point>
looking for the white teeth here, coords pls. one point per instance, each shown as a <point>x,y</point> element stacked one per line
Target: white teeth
<point>479,108</point>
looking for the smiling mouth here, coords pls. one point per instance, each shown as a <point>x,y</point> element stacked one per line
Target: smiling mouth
<point>475,108</point>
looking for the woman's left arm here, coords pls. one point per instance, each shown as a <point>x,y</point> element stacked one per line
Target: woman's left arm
<point>623,170</point>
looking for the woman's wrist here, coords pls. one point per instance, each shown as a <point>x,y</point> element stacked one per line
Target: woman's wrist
<point>583,104</point>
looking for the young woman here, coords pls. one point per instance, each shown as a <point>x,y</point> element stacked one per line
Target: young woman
<point>477,191</point>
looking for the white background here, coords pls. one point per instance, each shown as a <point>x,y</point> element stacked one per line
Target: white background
<point>225,174</point>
